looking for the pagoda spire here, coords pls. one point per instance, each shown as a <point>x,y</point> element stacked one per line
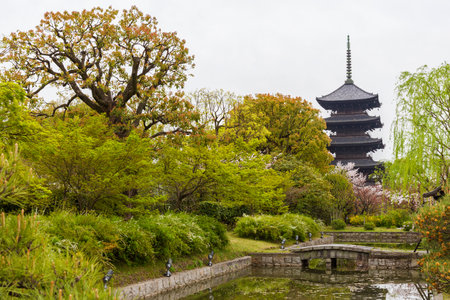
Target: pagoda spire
<point>349,62</point>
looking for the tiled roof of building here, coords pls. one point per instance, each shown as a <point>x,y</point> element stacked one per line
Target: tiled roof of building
<point>354,140</point>
<point>359,163</point>
<point>348,91</point>
<point>359,118</point>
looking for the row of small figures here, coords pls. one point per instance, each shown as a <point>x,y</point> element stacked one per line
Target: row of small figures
<point>283,241</point>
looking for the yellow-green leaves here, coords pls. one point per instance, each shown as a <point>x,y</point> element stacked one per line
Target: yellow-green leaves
<point>421,130</point>
<point>117,63</point>
<point>15,122</point>
<point>281,124</point>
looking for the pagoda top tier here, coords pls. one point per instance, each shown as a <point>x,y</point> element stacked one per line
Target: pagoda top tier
<point>349,94</point>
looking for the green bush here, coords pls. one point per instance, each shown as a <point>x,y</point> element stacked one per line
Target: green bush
<point>394,217</point>
<point>369,226</point>
<point>135,245</point>
<point>214,231</point>
<point>224,213</point>
<point>407,226</point>
<point>399,216</point>
<point>94,235</point>
<point>274,228</point>
<point>182,234</point>
<point>338,224</point>
<point>135,241</point>
<point>32,267</point>
<point>359,220</point>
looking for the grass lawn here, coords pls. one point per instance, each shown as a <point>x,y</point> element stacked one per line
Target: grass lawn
<point>360,228</point>
<point>237,247</point>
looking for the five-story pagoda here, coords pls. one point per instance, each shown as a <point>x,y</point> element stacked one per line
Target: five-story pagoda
<point>350,123</point>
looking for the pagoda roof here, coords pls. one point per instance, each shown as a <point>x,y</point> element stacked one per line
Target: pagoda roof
<point>348,92</point>
<point>351,119</point>
<point>354,140</point>
<point>360,163</point>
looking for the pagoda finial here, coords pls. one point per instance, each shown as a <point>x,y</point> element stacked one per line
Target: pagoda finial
<point>349,63</point>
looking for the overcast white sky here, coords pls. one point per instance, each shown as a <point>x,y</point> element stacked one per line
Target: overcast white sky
<point>290,47</point>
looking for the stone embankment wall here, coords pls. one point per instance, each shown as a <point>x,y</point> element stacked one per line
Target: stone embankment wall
<point>322,241</point>
<point>383,260</point>
<point>409,237</point>
<point>157,286</point>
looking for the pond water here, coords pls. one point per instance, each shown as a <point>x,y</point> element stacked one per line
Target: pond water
<point>292,283</point>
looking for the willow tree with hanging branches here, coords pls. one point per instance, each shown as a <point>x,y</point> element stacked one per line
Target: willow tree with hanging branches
<point>421,130</point>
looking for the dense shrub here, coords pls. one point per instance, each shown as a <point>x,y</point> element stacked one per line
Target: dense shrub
<point>32,267</point>
<point>225,213</point>
<point>407,226</point>
<point>369,226</point>
<point>274,228</point>
<point>94,235</point>
<point>395,217</point>
<point>135,241</point>
<point>434,224</point>
<point>398,216</point>
<point>360,220</point>
<point>338,224</point>
<point>214,231</point>
<point>182,234</point>
<point>135,244</point>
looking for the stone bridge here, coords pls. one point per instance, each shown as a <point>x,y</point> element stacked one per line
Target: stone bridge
<point>365,257</point>
<point>330,253</point>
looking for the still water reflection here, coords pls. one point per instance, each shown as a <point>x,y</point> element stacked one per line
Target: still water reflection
<point>292,283</point>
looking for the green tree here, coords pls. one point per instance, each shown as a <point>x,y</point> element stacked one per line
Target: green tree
<point>15,121</point>
<point>89,168</point>
<point>20,187</point>
<point>121,66</point>
<point>281,124</point>
<point>192,172</point>
<point>421,130</point>
<point>185,172</point>
<point>344,197</point>
<point>309,193</point>
<point>214,107</point>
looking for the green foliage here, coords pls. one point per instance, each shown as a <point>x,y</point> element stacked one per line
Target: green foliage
<point>310,193</point>
<point>95,236</point>
<point>135,245</point>
<point>394,217</point>
<point>192,173</point>
<point>88,168</point>
<point>281,124</point>
<point>32,267</point>
<point>119,64</point>
<point>338,224</point>
<point>19,186</point>
<point>342,192</point>
<point>433,221</point>
<point>214,107</point>
<point>187,171</point>
<point>15,122</point>
<point>223,212</point>
<point>182,234</point>
<point>369,226</point>
<point>421,132</point>
<point>398,216</point>
<point>275,228</point>
<point>214,231</point>
<point>407,226</point>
